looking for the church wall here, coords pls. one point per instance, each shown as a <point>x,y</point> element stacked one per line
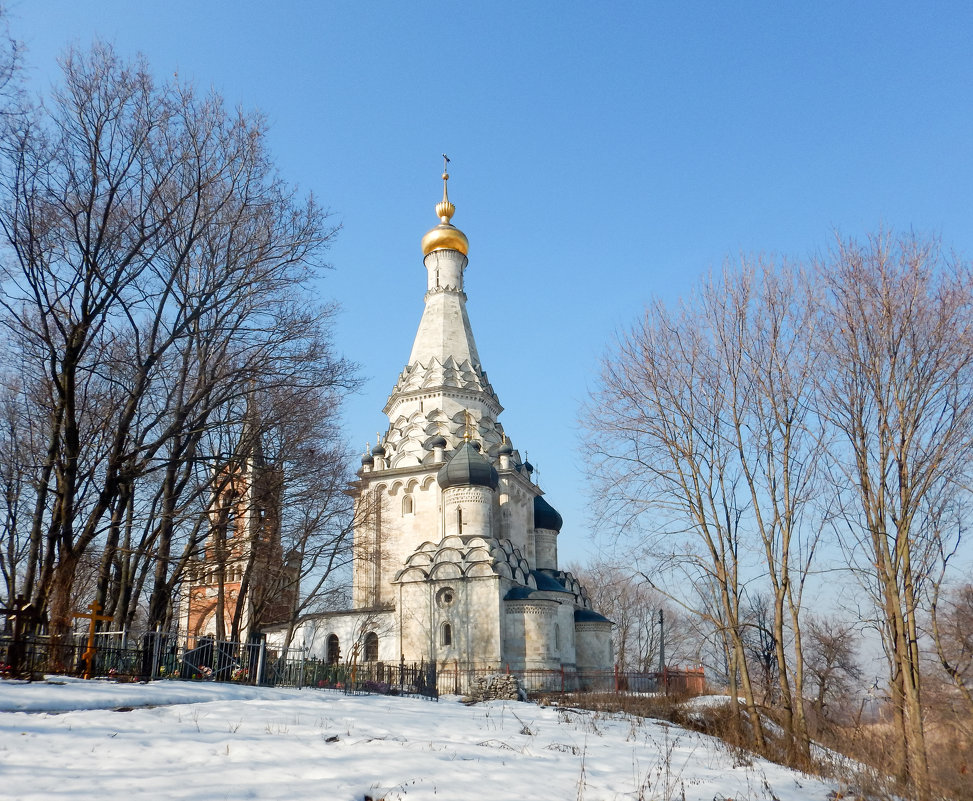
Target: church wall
<point>468,511</point>
<point>530,634</point>
<point>411,516</point>
<point>545,549</point>
<point>350,628</point>
<point>566,643</point>
<point>517,513</point>
<point>594,647</point>
<point>470,607</point>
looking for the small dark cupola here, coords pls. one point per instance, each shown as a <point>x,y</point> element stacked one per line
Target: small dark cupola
<point>468,468</point>
<point>546,516</point>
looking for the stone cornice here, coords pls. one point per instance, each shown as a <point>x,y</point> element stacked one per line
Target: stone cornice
<point>439,290</point>
<point>484,396</point>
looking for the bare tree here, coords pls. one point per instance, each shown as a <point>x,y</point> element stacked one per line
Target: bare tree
<point>831,663</point>
<point>661,444</point>
<point>896,386</point>
<point>634,607</point>
<point>952,632</point>
<point>156,276</point>
<point>704,420</point>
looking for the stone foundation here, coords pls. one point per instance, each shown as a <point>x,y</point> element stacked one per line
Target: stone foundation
<point>498,687</point>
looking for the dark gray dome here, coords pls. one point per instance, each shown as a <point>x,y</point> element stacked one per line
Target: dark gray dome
<point>378,450</point>
<point>506,448</point>
<point>548,583</point>
<point>589,616</point>
<point>367,459</point>
<point>467,467</point>
<point>545,515</point>
<point>438,441</point>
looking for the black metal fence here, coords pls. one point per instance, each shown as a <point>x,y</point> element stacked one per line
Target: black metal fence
<point>163,656</point>
<point>401,678</point>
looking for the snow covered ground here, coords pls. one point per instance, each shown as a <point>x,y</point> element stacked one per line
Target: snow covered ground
<point>166,740</point>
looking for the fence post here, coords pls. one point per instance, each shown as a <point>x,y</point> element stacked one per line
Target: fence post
<point>616,677</point>
<point>156,648</point>
<point>259,678</point>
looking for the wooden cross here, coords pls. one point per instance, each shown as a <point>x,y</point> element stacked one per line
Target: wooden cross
<point>89,655</point>
<point>21,612</point>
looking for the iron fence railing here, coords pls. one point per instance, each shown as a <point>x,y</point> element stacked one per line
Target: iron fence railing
<point>161,656</point>
<point>164,656</point>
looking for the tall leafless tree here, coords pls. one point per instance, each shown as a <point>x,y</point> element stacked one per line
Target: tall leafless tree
<point>704,422</point>
<point>896,384</point>
<point>157,274</point>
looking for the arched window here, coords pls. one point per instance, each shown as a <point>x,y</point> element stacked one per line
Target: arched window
<point>371,647</point>
<point>446,635</point>
<point>557,637</point>
<point>334,649</point>
<point>407,505</point>
<point>459,521</point>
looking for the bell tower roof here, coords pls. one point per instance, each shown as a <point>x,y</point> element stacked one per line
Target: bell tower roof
<point>443,386</point>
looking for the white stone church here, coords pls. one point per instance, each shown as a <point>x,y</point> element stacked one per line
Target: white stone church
<point>456,552</point>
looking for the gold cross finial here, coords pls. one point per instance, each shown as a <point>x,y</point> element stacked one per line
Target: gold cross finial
<point>468,435</point>
<point>445,179</point>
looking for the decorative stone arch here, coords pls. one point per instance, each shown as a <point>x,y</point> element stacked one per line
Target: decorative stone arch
<point>411,574</point>
<point>448,554</point>
<point>446,570</point>
<point>408,505</point>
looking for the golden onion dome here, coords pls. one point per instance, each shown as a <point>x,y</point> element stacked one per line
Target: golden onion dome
<point>445,236</point>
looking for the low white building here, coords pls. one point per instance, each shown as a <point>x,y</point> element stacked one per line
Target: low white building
<point>456,552</point>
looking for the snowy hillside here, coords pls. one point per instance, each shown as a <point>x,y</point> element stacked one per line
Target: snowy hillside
<point>169,740</point>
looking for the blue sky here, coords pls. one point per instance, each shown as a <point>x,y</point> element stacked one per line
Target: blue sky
<point>602,154</point>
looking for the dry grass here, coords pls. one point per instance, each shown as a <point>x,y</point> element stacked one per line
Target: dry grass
<point>860,757</point>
